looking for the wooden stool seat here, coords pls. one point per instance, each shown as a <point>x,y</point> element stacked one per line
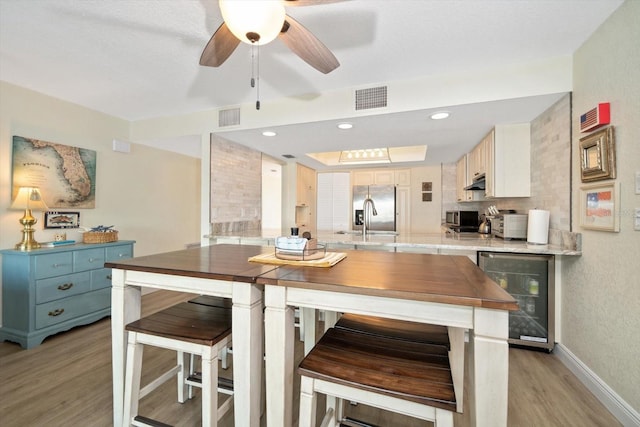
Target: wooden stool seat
<point>412,378</point>
<point>186,328</point>
<point>399,329</point>
<point>194,323</point>
<point>450,338</point>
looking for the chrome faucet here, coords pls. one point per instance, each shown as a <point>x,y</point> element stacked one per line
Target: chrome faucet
<point>368,209</point>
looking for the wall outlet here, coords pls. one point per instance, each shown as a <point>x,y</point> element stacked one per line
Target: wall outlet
<point>636,222</point>
<point>638,182</point>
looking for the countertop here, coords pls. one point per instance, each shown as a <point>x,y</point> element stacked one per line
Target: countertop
<point>561,242</point>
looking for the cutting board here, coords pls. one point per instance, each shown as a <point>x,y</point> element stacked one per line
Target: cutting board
<point>329,259</point>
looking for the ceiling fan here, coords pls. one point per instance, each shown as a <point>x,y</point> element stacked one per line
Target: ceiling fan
<point>258,22</point>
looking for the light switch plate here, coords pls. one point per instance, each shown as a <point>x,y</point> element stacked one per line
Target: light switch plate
<point>638,182</point>
<point>636,222</point>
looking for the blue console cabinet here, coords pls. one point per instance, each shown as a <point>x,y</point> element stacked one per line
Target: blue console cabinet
<point>50,290</point>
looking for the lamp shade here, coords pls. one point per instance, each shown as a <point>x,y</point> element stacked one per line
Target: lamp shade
<point>262,17</point>
<point>29,198</point>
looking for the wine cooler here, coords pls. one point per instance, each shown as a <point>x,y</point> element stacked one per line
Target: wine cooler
<point>530,280</point>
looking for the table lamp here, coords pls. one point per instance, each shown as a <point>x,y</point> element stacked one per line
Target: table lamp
<point>28,198</point>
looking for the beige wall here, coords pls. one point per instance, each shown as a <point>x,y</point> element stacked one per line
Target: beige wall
<point>601,289</point>
<point>426,216</point>
<point>151,196</point>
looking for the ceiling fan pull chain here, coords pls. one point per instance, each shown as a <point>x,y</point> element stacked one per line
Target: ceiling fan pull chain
<point>258,83</point>
<point>253,80</point>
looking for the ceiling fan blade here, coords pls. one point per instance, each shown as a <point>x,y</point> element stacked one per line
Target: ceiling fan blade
<point>288,3</point>
<point>220,47</point>
<point>307,46</point>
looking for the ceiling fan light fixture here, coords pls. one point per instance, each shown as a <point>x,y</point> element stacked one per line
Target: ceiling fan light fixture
<point>246,18</point>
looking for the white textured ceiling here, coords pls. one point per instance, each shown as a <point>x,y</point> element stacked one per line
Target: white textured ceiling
<point>137,59</point>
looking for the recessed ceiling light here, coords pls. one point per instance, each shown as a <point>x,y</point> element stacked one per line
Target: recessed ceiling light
<point>369,155</point>
<point>269,133</point>
<point>345,125</point>
<point>440,115</point>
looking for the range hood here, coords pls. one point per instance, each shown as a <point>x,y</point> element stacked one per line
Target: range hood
<point>478,184</point>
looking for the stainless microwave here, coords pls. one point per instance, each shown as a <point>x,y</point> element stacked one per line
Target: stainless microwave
<point>462,218</point>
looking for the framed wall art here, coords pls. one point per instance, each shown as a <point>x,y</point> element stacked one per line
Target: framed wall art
<point>600,207</point>
<point>55,219</point>
<point>66,175</point>
<point>597,156</point>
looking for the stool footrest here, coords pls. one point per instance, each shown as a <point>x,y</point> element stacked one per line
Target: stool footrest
<point>350,422</point>
<point>145,421</point>
<point>225,385</point>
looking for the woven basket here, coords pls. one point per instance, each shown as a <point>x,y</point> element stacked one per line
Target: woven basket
<point>99,237</point>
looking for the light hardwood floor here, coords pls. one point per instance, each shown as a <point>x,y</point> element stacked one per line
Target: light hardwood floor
<point>66,381</point>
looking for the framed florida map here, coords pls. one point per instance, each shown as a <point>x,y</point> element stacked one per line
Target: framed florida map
<point>65,175</point>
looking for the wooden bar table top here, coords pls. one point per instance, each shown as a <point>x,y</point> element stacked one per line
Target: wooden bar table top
<point>438,289</point>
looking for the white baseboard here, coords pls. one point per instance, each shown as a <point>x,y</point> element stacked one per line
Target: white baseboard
<point>620,409</point>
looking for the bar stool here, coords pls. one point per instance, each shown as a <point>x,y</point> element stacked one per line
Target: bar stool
<point>450,338</point>
<point>186,328</point>
<point>226,350</point>
<point>407,377</point>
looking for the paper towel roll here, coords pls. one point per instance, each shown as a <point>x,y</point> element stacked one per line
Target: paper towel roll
<point>538,227</point>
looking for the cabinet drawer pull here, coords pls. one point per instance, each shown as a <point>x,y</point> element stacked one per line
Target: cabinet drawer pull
<point>56,312</point>
<point>65,286</point>
<point>108,277</point>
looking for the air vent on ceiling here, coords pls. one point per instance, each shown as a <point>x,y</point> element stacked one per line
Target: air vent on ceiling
<point>373,97</point>
<point>289,156</point>
<point>229,117</point>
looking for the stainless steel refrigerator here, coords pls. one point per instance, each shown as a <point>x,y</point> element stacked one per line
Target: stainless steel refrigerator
<point>384,199</point>
<point>530,280</point>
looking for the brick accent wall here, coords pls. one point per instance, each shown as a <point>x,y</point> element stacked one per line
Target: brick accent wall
<point>236,187</point>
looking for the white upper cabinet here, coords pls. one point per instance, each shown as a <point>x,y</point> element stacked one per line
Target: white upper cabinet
<point>478,159</point>
<point>508,169</point>
<point>382,177</point>
<point>461,180</point>
<point>503,157</point>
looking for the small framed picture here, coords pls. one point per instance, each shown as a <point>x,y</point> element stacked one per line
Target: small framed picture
<point>55,219</point>
<point>600,207</point>
<point>597,155</point>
